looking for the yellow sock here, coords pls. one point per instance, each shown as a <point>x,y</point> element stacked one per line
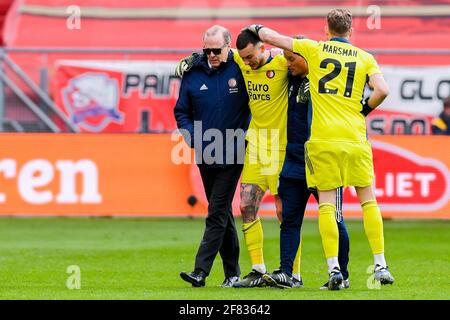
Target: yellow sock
<point>328,229</point>
<point>298,259</point>
<point>373,225</point>
<point>253,234</point>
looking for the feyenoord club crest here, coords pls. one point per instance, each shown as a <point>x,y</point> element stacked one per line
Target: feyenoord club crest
<point>232,83</point>
<point>270,74</point>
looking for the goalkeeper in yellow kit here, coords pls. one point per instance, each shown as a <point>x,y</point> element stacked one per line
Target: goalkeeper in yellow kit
<point>338,152</point>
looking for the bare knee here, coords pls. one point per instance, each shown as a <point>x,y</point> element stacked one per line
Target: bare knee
<point>365,194</point>
<point>249,212</point>
<point>328,196</point>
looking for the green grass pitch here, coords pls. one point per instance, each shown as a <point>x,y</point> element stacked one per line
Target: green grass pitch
<point>131,258</point>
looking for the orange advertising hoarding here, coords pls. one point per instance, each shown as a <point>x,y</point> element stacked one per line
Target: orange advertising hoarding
<point>92,174</point>
<point>136,175</point>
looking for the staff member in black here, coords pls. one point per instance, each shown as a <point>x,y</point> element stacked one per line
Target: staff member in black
<point>213,93</point>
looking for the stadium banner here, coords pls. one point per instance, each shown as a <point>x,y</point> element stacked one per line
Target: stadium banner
<point>387,122</point>
<point>416,89</point>
<point>117,96</point>
<point>415,97</point>
<point>139,96</point>
<point>152,175</point>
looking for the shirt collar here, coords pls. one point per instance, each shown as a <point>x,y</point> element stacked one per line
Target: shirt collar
<point>340,40</point>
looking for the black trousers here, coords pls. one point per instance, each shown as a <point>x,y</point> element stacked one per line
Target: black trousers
<point>220,230</point>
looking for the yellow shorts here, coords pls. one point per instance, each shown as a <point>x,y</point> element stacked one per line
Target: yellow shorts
<point>332,164</point>
<point>263,168</point>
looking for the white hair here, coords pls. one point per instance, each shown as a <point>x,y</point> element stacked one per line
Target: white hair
<point>216,28</point>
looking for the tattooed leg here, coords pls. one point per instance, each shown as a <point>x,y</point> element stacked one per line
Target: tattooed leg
<point>251,196</point>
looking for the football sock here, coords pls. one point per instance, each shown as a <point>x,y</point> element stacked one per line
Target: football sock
<point>379,259</point>
<point>297,276</point>
<point>373,225</point>
<point>259,267</point>
<point>333,262</point>
<point>253,235</point>
<point>297,262</point>
<point>328,229</point>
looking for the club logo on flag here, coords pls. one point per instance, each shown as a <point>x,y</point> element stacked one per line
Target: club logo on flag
<point>92,101</point>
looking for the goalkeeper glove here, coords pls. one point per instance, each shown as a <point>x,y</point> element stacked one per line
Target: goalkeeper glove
<point>254,28</point>
<point>185,64</point>
<point>366,109</point>
<point>303,92</point>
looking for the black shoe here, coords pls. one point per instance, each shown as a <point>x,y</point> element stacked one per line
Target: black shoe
<point>335,279</point>
<point>197,278</point>
<point>279,279</point>
<point>228,282</point>
<point>253,279</point>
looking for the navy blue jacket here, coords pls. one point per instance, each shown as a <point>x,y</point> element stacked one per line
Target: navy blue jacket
<point>297,131</point>
<point>218,98</point>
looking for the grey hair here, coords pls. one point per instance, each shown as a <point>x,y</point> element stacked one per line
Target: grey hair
<point>216,28</point>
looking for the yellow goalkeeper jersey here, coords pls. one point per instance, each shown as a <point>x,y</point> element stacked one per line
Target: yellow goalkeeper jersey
<point>267,88</point>
<point>338,73</point>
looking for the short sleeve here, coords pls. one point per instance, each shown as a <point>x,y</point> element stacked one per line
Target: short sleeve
<point>304,47</point>
<point>372,66</point>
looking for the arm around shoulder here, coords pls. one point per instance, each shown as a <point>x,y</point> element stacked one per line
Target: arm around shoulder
<point>271,37</point>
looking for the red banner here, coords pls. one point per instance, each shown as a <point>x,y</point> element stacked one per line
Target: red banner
<point>128,96</point>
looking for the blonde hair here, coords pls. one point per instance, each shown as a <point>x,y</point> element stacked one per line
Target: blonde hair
<point>339,22</point>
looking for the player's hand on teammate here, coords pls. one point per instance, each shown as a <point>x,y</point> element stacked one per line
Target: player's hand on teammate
<point>185,64</point>
<point>303,94</point>
<point>254,28</point>
<point>276,52</point>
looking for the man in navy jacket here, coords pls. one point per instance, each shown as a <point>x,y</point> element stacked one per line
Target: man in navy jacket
<point>212,113</point>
